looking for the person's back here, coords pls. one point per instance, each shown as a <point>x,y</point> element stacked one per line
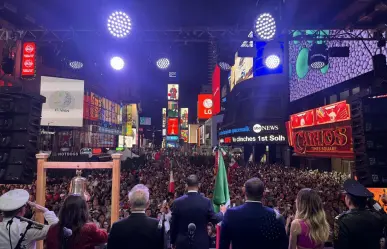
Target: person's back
<point>303,239</point>
<point>196,209</point>
<point>137,231</point>
<point>253,225</point>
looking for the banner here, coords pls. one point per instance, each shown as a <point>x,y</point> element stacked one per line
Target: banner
<point>173,127</point>
<point>184,118</point>
<point>205,106</point>
<point>164,119</point>
<point>173,92</point>
<point>63,107</point>
<point>333,113</point>
<point>303,119</point>
<point>216,90</point>
<point>28,60</point>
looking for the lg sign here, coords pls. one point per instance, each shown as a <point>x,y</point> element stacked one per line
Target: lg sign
<point>205,106</point>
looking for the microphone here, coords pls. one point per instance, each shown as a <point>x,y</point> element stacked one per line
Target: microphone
<point>35,224</point>
<point>191,229</point>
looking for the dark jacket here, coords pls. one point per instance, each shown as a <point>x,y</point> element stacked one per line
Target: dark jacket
<point>358,229</point>
<point>137,231</point>
<point>196,209</point>
<point>253,226</point>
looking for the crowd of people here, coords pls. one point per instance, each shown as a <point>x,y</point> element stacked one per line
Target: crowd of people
<point>281,187</point>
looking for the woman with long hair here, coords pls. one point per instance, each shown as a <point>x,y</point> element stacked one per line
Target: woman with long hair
<point>72,230</point>
<point>310,228</point>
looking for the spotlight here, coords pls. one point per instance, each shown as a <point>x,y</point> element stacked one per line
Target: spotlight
<point>162,63</point>
<point>119,24</point>
<point>318,56</point>
<point>76,64</point>
<point>224,66</point>
<point>265,26</point>
<point>117,63</point>
<point>272,61</point>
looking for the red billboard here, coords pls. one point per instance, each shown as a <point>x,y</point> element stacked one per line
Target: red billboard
<point>205,106</point>
<point>323,131</point>
<point>216,91</point>
<point>28,59</point>
<point>173,127</point>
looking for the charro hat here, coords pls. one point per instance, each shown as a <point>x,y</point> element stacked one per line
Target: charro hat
<point>13,200</point>
<point>354,188</point>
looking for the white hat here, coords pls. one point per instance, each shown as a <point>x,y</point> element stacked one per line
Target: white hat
<point>14,199</point>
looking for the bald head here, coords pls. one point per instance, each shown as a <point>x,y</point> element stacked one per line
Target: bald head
<point>139,197</point>
<point>254,188</point>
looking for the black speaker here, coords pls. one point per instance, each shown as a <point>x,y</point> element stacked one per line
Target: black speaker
<point>19,132</point>
<point>369,130</point>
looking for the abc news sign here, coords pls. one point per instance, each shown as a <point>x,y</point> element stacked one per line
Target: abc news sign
<point>256,134</point>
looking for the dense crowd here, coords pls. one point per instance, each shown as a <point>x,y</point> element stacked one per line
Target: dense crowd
<point>282,185</point>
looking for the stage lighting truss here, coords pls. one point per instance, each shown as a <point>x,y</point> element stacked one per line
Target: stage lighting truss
<point>224,66</point>
<point>117,63</point>
<point>163,63</point>
<point>318,56</point>
<point>272,61</point>
<point>119,24</point>
<point>76,65</point>
<point>265,27</point>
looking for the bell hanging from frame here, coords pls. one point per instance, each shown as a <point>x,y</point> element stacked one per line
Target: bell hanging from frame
<point>78,186</point>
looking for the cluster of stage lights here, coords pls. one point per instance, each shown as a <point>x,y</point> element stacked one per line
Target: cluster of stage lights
<point>163,63</point>
<point>119,24</point>
<point>76,65</point>
<point>265,27</point>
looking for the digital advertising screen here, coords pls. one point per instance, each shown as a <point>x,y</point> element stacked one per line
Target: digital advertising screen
<point>205,106</point>
<point>164,117</point>
<point>380,196</point>
<point>173,92</point>
<point>64,101</point>
<point>28,68</point>
<point>173,109</point>
<point>96,108</point>
<point>216,91</point>
<point>145,121</point>
<point>184,135</point>
<point>173,127</point>
<point>184,118</point>
<point>243,69</point>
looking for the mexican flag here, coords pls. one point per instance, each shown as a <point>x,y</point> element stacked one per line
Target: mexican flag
<point>221,194</point>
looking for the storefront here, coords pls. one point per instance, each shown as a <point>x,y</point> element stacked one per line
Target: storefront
<point>322,137</point>
<point>264,141</point>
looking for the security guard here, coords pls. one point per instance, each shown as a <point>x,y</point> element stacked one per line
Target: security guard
<point>359,227</point>
<point>13,203</point>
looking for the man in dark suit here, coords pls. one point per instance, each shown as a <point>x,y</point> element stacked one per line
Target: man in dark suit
<point>192,208</point>
<point>252,225</point>
<point>137,231</point>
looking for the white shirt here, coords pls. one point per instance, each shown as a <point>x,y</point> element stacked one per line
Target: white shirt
<point>18,227</point>
<point>167,221</point>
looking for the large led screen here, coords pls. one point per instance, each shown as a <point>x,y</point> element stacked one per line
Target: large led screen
<point>173,127</point>
<point>241,71</point>
<point>216,92</point>
<point>184,118</point>
<point>173,109</point>
<point>305,81</point>
<point>64,101</point>
<point>164,119</point>
<point>204,106</point>
<point>173,92</point>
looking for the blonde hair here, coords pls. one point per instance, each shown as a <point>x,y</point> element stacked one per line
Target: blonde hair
<point>310,210</point>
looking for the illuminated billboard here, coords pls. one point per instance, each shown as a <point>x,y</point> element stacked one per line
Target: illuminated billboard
<point>184,118</point>
<point>216,92</point>
<point>145,121</point>
<point>204,106</point>
<point>184,135</point>
<point>164,120</point>
<point>173,109</point>
<point>173,127</point>
<point>173,92</point>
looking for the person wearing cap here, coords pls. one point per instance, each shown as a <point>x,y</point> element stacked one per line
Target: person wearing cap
<point>13,203</point>
<point>358,227</point>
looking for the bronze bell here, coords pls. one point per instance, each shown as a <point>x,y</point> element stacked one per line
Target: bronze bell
<point>78,186</point>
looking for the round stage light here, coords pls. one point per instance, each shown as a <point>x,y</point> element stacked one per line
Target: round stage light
<point>163,63</point>
<point>318,56</point>
<point>119,24</point>
<point>265,26</point>
<point>272,61</point>
<point>117,63</point>
<point>76,64</point>
<point>224,66</point>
